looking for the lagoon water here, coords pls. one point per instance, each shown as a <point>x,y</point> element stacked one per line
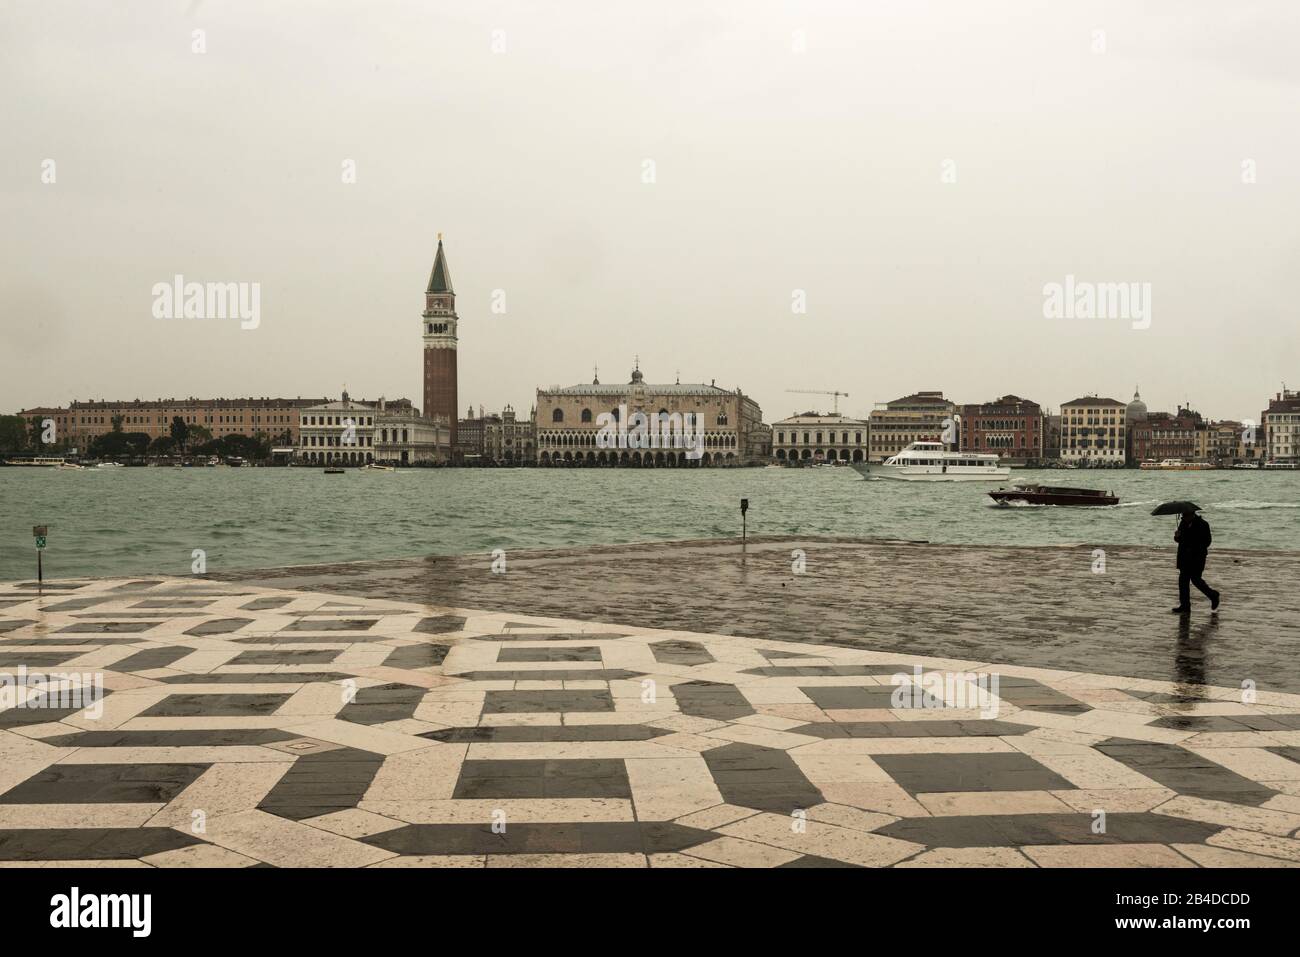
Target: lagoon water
<point>138,521</point>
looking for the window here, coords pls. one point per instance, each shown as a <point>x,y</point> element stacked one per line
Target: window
<point>557,415</point>
<point>586,415</point>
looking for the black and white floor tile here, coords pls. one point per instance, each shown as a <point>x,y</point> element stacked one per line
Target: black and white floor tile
<point>245,726</point>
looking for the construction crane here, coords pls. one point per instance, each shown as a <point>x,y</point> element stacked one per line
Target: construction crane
<point>835,393</point>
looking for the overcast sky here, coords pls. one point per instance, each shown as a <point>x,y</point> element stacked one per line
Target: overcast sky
<point>795,146</point>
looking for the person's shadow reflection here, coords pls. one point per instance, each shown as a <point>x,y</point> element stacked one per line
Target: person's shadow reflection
<point>1192,657</point>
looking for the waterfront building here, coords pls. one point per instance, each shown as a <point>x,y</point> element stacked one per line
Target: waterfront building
<point>818,437</point>
<point>471,433</point>
<point>1093,432</point>
<point>1135,413</point>
<point>439,322</point>
<point>1010,427</point>
<point>80,423</point>
<point>348,432</point>
<point>508,440</point>
<point>1281,425</point>
<point>402,436</point>
<point>920,417</point>
<point>568,423</point>
<point>1252,446</point>
<point>34,420</point>
<point>1228,445</point>
<point>337,433</point>
<point>1206,441</point>
<point>1052,437</point>
<point>1162,435</point>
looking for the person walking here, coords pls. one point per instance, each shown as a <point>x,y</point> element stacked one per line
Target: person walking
<point>1193,537</point>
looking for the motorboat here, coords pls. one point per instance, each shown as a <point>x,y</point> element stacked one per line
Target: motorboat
<point>377,467</point>
<point>1176,465</point>
<point>1031,494</point>
<point>933,462</point>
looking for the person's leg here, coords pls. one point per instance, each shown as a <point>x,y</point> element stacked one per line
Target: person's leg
<point>1184,592</point>
<point>1207,591</point>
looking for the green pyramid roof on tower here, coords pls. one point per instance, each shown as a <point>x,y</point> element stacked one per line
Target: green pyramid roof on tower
<point>440,278</point>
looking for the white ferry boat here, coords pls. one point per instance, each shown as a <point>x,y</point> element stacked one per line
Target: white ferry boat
<point>932,462</point>
<point>1175,465</point>
<point>37,461</point>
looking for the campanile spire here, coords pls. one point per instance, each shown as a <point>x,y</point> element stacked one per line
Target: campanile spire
<point>439,329</point>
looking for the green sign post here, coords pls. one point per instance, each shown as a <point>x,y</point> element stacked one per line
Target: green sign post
<point>39,532</point>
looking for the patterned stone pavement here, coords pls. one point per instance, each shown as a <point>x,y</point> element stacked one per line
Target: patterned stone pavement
<point>246,726</point>
<point>1042,606</point>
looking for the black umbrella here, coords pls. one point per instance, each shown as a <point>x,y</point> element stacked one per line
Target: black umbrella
<point>1175,508</point>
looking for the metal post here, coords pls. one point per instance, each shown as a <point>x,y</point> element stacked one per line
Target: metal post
<point>744,531</point>
<point>39,532</point>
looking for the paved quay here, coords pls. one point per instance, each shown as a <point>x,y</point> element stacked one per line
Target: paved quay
<point>1040,606</point>
<point>246,725</point>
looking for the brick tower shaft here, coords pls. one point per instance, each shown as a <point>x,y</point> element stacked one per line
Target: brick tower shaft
<point>439,321</point>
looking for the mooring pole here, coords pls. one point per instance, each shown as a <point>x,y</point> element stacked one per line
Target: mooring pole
<point>744,534</point>
<point>39,532</point>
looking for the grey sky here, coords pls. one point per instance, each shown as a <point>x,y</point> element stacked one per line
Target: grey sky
<point>775,171</point>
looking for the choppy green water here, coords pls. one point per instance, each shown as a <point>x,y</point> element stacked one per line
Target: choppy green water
<point>149,521</point>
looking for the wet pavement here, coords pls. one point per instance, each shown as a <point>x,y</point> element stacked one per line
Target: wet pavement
<point>198,723</point>
<point>1040,606</point>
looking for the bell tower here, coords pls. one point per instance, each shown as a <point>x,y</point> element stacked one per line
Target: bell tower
<point>439,326</point>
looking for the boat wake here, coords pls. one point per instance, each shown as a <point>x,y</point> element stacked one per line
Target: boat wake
<point>1240,503</point>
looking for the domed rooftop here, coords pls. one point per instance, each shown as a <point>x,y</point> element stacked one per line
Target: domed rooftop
<point>1137,409</point>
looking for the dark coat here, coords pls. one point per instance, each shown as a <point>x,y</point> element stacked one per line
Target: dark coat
<point>1193,538</point>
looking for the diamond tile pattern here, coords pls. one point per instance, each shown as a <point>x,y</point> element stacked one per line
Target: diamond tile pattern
<point>295,728</point>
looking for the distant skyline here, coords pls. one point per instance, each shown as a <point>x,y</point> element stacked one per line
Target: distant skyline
<point>665,181</point>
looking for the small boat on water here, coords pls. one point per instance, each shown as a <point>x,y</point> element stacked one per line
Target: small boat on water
<point>1052,495</point>
<point>376,467</point>
<point>110,465</point>
<point>334,471</point>
<point>933,462</point>
<point>1176,465</point>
